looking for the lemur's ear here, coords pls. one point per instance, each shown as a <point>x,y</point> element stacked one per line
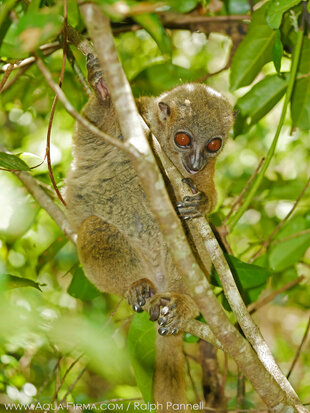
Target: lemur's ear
<point>165,110</point>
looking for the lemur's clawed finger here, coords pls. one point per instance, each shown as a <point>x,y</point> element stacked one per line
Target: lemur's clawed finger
<point>139,294</point>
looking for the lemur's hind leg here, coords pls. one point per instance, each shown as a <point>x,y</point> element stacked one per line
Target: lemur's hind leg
<point>108,259</point>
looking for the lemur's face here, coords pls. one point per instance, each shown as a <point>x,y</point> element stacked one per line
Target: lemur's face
<point>194,153</point>
<point>194,121</point>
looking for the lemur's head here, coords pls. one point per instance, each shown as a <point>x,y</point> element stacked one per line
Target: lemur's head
<point>191,123</point>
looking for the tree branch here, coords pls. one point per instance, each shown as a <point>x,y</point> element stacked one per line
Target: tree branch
<point>70,109</point>
<point>200,227</point>
<point>159,202</point>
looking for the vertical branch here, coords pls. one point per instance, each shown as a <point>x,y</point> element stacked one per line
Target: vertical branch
<point>201,227</point>
<point>171,228</point>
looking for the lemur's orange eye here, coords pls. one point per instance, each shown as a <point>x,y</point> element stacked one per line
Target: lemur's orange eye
<point>182,140</point>
<point>214,145</point>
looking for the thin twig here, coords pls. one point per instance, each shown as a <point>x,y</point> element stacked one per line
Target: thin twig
<point>240,390</point>
<point>45,382</point>
<point>73,385</point>
<point>296,235</point>
<point>59,386</point>
<point>299,349</point>
<point>5,77</point>
<point>239,199</point>
<point>252,308</point>
<point>44,200</point>
<point>113,312</point>
<point>57,377</point>
<point>277,228</point>
<point>190,18</point>
<point>50,122</point>
<point>75,114</point>
<point>46,49</point>
<point>11,82</point>
<point>191,379</point>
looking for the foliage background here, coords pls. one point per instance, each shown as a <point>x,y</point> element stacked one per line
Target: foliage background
<point>43,332</point>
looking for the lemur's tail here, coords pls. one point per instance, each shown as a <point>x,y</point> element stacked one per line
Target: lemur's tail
<point>169,380</point>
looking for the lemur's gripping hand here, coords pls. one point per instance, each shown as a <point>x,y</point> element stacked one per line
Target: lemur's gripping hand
<point>95,77</point>
<point>172,311</point>
<point>140,293</point>
<point>194,206</point>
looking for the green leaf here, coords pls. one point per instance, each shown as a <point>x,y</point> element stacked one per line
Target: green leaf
<point>253,52</point>
<point>240,124</point>
<point>276,9</point>
<point>277,51</point>
<point>160,77</point>
<point>5,9</point>
<point>304,57</point>
<point>73,13</point>
<point>141,346</point>
<point>81,288</point>
<point>251,278</point>
<point>237,6</point>
<point>182,6</point>
<point>263,96</point>
<point>284,189</point>
<point>153,25</point>
<point>11,281</point>
<point>300,105</point>
<point>8,161</point>
<point>32,30</point>
<point>288,253</point>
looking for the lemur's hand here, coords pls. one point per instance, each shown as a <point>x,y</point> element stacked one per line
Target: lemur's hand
<point>193,206</point>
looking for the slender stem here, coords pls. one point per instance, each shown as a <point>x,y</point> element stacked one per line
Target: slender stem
<point>50,123</point>
<point>295,59</point>
<point>239,199</point>
<point>280,225</point>
<point>252,308</point>
<point>74,113</point>
<point>299,349</point>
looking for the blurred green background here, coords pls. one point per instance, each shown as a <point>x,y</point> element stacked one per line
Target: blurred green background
<point>59,318</point>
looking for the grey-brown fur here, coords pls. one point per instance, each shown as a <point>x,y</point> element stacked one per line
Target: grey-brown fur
<point>119,242</point>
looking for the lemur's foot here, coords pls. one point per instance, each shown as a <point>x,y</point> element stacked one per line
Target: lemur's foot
<point>193,206</point>
<point>95,77</point>
<point>172,311</point>
<point>139,294</point>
